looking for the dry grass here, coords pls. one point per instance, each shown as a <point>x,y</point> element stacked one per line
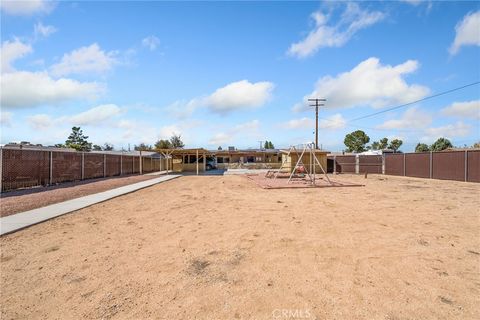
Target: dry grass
<point>223,248</point>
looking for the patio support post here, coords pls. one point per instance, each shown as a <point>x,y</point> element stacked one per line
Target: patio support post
<point>197,162</point>
<point>204,163</point>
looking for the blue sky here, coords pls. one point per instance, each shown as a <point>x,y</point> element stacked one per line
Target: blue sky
<point>235,73</point>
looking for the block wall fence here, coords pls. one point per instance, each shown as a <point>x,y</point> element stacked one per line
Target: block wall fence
<point>446,165</point>
<point>23,168</point>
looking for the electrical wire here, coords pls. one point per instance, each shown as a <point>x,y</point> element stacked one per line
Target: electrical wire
<point>416,101</point>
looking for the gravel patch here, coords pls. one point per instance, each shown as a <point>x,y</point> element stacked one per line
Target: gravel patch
<point>28,199</point>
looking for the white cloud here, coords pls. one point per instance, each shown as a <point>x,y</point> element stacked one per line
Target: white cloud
<point>43,31</point>
<point>11,51</point>
<point>466,109</point>
<point>182,109</point>
<point>240,95</point>
<point>467,32</point>
<point>351,21</point>
<point>449,131</point>
<point>412,118</point>
<point>368,84</point>
<point>96,115</point>
<point>25,89</point>
<point>299,123</point>
<point>5,118</point>
<point>220,139</point>
<point>92,117</point>
<point>248,130</point>
<point>414,2</point>
<point>167,131</point>
<point>85,60</point>
<point>40,121</point>
<point>246,127</point>
<point>333,122</point>
<point>26,8</point>
<point>151,42</point>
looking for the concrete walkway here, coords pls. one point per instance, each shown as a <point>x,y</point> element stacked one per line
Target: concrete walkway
<point>25,219</point>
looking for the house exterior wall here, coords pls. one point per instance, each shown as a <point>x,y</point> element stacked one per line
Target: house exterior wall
<point>292,159</point>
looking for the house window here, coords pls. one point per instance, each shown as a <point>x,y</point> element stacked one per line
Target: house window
<point>250,159</point>
<point>219,159</point>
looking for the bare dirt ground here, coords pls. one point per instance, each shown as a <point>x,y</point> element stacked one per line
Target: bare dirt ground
<point>28,199</point>
<point>223,248</point>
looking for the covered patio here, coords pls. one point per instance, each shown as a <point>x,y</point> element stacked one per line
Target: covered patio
<point>187,160</point>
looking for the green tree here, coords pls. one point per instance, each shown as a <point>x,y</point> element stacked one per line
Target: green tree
<point>78,141</point>
<point>395,144</point>
<point>96,147</point>
<point>143,147</point>
<point>176,141</point>
<point>268,145</point>
<point>383,144</point>
<point>59,145</point>
<point>375,145</point>
<point>163,144</point>
<point>441,144</point>
<point>108,146</point>
<point>476,145</point>
<point>356,141</point>
<point>422,147</point>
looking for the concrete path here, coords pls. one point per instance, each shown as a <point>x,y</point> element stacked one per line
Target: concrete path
<point>245,171</point>
<point>25,219</point>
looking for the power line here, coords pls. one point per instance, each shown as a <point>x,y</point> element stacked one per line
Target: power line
<point>413,102</point>
<point>316,105</point>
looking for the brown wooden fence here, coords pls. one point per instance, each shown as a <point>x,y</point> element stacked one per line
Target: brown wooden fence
<point>23,168</point>
<point>446,165</point>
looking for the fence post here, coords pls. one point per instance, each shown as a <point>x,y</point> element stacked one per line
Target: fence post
<point>104,165</point>
<point>83,165</point>
<point>404,165</point>
<point>431,164</point>
<point>1,169</point>
<point>133,164</point>
<point>51,168</point>
<point>357,164</point>
<point>121,164</point>
<point>160,164</point>
<point>466,165</point>
<point>141,163</point>
<point>383,163</point>
<point>334,164</point>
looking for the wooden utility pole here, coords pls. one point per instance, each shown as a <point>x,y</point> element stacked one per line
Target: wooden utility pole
<point>318,103</point>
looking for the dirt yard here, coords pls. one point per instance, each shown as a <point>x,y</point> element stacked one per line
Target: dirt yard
<point>28,199</point>
<point>223,248</point>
